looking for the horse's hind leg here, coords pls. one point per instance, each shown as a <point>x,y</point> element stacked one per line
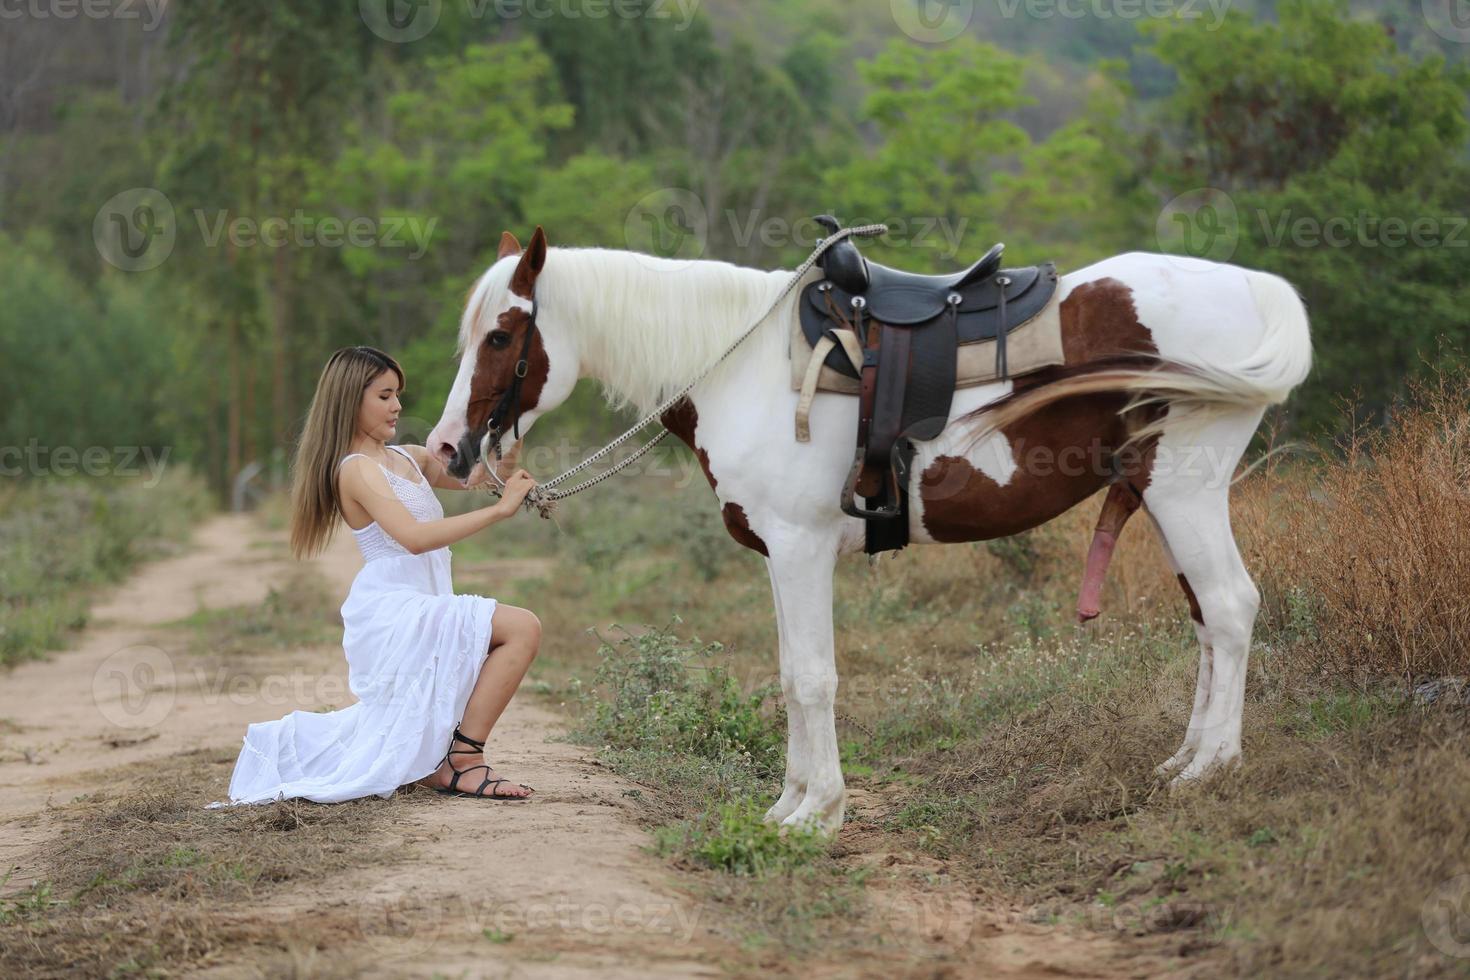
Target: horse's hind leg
<point>1203,680</point>
<point>1188,499</point>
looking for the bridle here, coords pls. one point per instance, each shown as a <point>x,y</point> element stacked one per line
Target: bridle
<point>547,492</point>
<point>510,402</point>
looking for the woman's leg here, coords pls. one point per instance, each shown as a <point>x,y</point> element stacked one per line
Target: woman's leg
<point>515,637</point>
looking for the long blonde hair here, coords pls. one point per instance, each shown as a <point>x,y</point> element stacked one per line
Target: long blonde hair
<point>331,425</point>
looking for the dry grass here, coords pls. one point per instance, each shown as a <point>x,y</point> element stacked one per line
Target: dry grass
<point>1371,551</point>
<point>144,879</point>
<point>1020,749</point>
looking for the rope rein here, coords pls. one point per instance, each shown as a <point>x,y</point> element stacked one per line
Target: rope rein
<point>543,495</point>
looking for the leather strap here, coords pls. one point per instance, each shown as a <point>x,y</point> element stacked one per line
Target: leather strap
<point>832,338</point>
<point>1000,330</point>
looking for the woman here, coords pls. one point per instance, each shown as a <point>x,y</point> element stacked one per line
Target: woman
<point>416,652</point>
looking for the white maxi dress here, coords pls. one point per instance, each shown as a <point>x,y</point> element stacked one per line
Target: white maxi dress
<point>414,651</point>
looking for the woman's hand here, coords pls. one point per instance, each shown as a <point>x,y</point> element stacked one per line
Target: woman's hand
<point>514,491</point>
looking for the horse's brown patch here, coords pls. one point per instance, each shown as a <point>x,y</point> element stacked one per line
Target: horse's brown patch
<point>1194,610</point>
<point>1100,321</point>
<point>495,369</point>
<point>682,420</point>
<point>1064,451</point>
<point>739,528</point>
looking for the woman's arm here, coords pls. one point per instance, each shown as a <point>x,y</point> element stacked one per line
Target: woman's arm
<point>362,481</point>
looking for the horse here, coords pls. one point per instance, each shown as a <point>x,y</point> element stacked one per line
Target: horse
<point>1177,358</point>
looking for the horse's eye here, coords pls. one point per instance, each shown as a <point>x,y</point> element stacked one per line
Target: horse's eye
<point>498,339</point>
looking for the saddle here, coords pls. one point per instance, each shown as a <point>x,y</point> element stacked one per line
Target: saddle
<point>899,334</point>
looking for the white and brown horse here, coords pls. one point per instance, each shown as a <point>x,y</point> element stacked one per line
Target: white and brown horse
<point>1212,344</point>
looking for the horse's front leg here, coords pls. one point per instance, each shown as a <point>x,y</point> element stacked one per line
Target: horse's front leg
<point>802,564</point>
<point>794,787</point>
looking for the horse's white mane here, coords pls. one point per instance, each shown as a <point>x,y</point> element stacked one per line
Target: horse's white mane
<point>645,326</point>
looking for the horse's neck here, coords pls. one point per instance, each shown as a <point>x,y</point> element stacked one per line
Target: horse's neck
<point>645,328</point>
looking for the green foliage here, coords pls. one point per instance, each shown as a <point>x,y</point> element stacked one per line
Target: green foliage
<point>61,537</point>
<point>1056,137</point>
<point>735,839</point>
<point>299,613</point>
<point>655,692</point>
<point>1334,147</point>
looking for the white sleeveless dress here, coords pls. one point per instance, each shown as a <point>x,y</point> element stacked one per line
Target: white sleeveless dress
<point>414,651</point>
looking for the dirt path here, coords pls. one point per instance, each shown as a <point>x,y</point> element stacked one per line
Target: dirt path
<point>560,887</point>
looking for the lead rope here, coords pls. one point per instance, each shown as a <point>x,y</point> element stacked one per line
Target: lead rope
<point>545,494</point>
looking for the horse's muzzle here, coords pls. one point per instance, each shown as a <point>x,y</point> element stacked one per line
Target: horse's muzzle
<point>466,455</point>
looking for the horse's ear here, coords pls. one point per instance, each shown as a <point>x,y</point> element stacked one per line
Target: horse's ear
<point>533,259</point>
<point>508,245</point>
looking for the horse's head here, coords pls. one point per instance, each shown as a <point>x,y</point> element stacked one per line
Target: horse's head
<point>512,368</point>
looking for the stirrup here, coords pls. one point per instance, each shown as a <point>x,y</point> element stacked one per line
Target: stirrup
<point>479,793</point>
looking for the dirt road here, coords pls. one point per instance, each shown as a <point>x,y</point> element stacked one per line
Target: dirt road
<point>559,887</point>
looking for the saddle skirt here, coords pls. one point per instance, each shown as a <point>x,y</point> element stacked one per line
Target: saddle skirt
<point>1032,344</point>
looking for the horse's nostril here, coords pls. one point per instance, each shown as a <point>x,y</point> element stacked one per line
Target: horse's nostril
<point>446,451</point>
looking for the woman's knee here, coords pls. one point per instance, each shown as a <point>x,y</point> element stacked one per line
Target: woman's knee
<point>512,623</point>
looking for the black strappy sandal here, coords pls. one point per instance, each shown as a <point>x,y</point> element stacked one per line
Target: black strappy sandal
<point>479,794</point>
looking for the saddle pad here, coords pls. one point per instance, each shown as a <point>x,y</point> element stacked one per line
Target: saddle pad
<point>1031,346</point>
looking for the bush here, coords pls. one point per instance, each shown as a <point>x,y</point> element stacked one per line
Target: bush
<point>650,692</point>
<point>736,839</point>
<point>61,537</point>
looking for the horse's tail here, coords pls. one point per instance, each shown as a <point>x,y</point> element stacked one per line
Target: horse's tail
<point>1265,376</point>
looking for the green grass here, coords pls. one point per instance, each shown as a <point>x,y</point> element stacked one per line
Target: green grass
<point>299,613</point>
<point>63,538</point>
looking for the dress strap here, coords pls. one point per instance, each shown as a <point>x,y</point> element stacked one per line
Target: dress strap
<point>347,457</point>
<point>412,462</point>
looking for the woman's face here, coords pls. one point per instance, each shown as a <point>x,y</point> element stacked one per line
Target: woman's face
<point>378,417</point>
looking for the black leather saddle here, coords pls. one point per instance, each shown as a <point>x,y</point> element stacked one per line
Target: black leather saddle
<point>909,327</point>
<point>988,295</point>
